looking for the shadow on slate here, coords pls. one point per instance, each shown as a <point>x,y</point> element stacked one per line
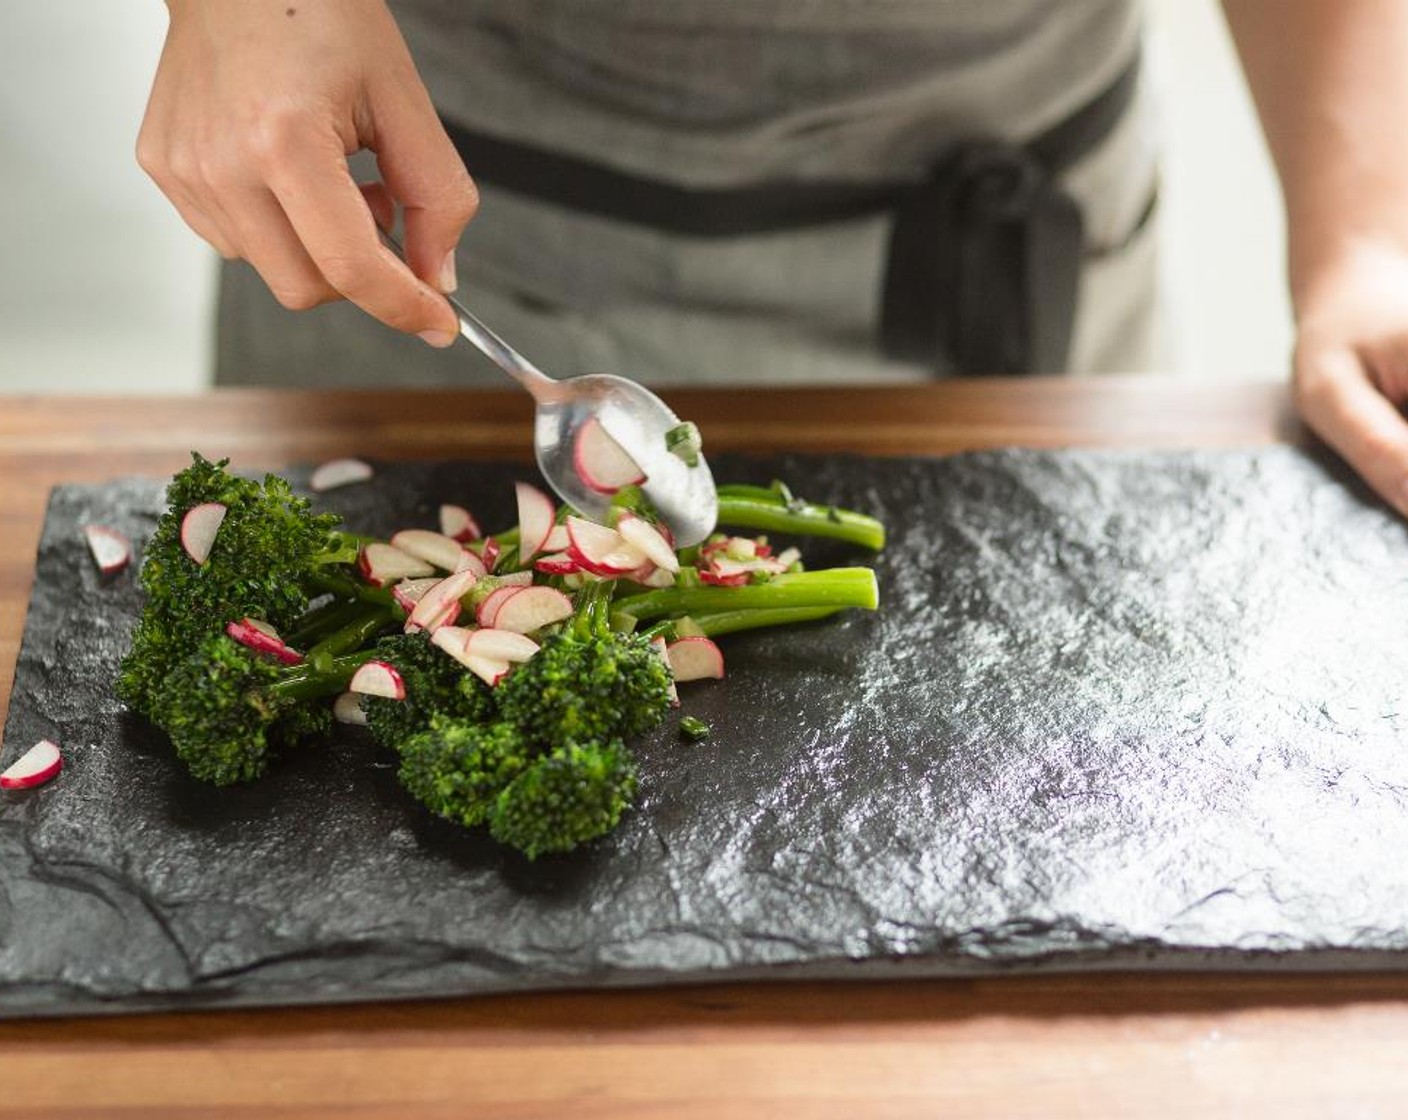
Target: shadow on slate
<point>1117,711</point>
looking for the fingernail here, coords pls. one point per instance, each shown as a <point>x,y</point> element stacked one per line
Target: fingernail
<point>438,339</point>
<point>448,280</point>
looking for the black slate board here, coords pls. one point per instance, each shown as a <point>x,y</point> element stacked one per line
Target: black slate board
<point>1118,711</point>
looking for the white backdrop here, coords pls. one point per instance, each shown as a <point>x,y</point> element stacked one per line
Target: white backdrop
<point>102,288</point>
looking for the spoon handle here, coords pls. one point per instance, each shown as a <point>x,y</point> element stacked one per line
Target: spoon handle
<point>542,387</point>
<point>539,384</point>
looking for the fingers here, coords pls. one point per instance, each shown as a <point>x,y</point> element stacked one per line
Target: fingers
<point>427,177</point>
<point>268,241</point>
<point>381,204</point>
<point>330,216</point>
<point>1345,408</point>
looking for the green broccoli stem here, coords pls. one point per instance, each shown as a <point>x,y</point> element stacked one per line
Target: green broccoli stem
<point>834,588</point>
<point>322,621</point>
<point>309,681</point>
<point>350,636</point>
<point>730,622</point>
<point>756,507</point>
<point>347,588</point>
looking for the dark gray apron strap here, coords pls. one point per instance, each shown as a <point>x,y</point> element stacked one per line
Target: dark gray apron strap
<point>984,259</point>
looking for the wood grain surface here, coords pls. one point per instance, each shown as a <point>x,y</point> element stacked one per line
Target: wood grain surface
<point>1098,1045</point>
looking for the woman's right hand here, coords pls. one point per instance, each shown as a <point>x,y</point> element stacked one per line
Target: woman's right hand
<point>255,108</point>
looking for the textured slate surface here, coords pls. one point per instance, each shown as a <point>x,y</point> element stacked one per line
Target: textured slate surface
<point>1118,711</point>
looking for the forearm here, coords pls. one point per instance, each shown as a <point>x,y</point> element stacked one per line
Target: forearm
<point>1330,80</point>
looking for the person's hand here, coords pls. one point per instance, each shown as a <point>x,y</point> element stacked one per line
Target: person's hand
<point>256,106</point>
<point>1351,364</point>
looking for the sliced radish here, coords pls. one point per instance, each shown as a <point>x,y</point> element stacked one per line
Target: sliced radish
<point>458,523</point>
<point>198,529</point>
<point>659,578</point>
<point>708,576</point>
<point>263,627</point>
<point>251,637</point>
<point>439,600</point>
<point>557,540</point>
<point>536,515</point>
<point>444,552</point>
<point>468,562</point>
<point>657,643</point>
<point>385,563</point>
<point>514,579</point>
<point>347,708</point>
<point>409,592</point>
<point>500,645</point>
<point>378,678</point>
<point>601,550</point>
<point>453,640</point>
<point>490,553</point>
<point>602,463</point>
<point>338,472</point>
<point>490,670</point>
<point>643,535</point>
<point>695,659</point>
<point>33,768</point>
<point>111,550</point>
<point>531,608</point>
<point>556,564</point>
<point>787,557</point>
<point>489,606</point>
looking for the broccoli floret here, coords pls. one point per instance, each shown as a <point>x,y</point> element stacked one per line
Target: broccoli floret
<point>587,683</point>
<point>265,555</point>
<point>456,769</point>
<point>227,709</point>
<point>436,685</point>
<point>570,796</point>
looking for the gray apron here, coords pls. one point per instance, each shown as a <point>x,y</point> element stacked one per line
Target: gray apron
<point>708,97</point>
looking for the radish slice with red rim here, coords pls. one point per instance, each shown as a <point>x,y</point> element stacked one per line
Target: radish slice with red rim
<point>111,550</point>
<point>459,524</point>
<point>468,562</point>
<point>489,606</point>
<point>695,659</point>
<point>515,579</point>
<point>454,640</point>
<point>657,643</point>
<point>640,533</point>
<point>383,563</point>
<point>536,515</point>
<point>601,462</point>
<point>33,768</point>
<point>198,529</point>
<point>257,640</point>
<point>532,608</point>
<point>500,645</point>
<point>600,550</point>
<point>378,678</point>
<point>444,552</point>
<point>556,564</point>
<point>557,539</point>
<point>338,472</point>
<point>439,600</point>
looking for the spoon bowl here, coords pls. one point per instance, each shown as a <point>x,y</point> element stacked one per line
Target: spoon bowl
<point>683,494</point>
<point>638,420</point>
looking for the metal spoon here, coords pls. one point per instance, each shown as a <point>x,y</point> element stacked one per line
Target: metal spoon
<point>629,413</point>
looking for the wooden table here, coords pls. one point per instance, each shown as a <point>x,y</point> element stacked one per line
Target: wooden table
<point>1098,1046</point>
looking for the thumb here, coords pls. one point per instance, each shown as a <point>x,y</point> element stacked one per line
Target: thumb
<point>1345,408</point>
<point>426,176</point>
